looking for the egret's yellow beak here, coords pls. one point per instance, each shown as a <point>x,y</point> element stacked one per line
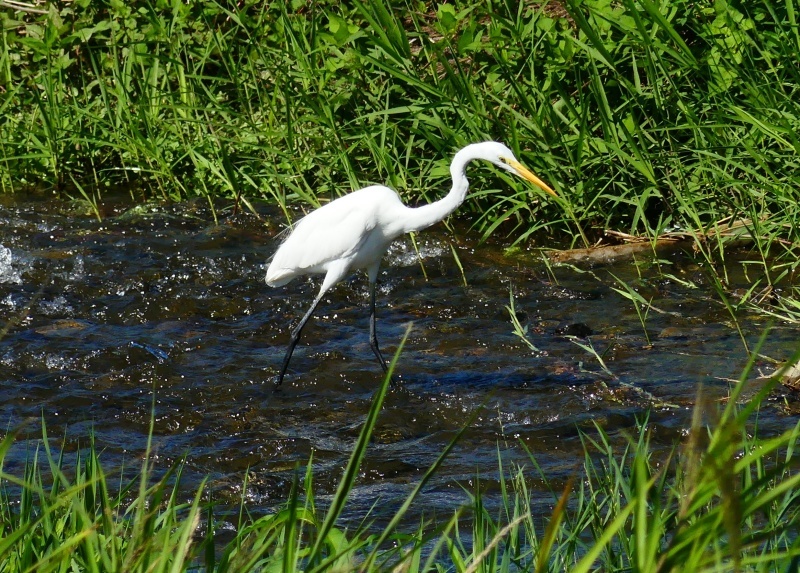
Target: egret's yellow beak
<point>525,173</point>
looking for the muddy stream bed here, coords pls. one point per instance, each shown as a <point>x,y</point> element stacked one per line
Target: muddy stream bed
<point>161,310</point>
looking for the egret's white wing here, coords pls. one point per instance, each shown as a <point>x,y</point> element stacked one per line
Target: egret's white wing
<point>331,233</point>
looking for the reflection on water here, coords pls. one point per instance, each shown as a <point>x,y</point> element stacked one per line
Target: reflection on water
<point>161,310</point>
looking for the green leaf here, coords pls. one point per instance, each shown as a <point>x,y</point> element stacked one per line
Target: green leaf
<point>447,17</point>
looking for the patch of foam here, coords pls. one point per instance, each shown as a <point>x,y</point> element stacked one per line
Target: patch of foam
<point>57,306</point>
<point>8,273</point>
<point>78,269</point>
<point>56,362</point>
<point>403,254</point>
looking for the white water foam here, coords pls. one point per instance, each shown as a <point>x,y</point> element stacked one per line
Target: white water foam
<point>8,273</point>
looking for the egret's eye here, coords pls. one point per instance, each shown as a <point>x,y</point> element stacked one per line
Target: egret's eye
<point>503,160</point>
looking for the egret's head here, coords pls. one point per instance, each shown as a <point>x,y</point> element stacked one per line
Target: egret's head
<point>498,154</point>
<point>504,158</point>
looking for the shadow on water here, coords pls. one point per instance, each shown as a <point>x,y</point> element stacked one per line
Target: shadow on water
<point>160,306</point>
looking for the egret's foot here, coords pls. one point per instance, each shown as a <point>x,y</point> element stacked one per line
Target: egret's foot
<point>394,384</point>
<point>277,381</point>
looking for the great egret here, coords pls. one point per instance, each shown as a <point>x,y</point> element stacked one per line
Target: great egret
<point>354,232</point>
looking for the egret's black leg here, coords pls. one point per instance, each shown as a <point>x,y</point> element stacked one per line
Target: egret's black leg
<point>373,337</point>
<point>295,338</point>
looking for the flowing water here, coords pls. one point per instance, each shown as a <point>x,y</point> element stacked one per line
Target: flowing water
<point>160,310</point>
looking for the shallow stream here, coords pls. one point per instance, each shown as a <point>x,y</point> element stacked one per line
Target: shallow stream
<point>161,310</point>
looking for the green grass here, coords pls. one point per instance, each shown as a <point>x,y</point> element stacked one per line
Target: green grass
<point>723,500</point>
<point>643,115</point>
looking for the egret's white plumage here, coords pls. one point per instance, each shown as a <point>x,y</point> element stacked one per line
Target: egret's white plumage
<point>354,232</point>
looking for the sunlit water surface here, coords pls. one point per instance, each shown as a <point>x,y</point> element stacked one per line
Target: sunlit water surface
<point>161,311</point>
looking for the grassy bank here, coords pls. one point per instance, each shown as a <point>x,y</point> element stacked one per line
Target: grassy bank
<point>724,500</point>
<point>645,116</point>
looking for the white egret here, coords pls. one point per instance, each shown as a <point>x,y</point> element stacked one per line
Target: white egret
<point>355,230</point>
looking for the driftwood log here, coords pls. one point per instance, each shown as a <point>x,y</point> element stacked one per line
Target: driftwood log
<point>734,233</point>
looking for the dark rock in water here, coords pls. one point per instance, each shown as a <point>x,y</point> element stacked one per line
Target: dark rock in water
<point>575,329</point>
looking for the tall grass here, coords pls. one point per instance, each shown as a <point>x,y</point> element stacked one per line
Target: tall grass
<point>724,500</point>
<point>645,115</point>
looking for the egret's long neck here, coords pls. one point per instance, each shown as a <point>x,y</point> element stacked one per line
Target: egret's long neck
<point>426,215</point>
